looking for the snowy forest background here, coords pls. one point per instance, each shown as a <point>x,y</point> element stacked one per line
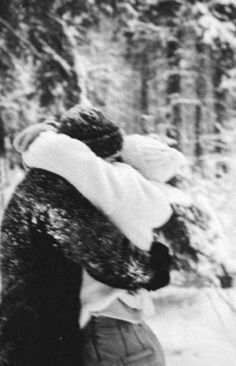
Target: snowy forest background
<point>164,67</point>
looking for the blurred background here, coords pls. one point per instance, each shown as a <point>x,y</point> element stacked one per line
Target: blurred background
<point>165,68</point>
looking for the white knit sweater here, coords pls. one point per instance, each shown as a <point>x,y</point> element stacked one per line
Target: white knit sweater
<point>132,203</point>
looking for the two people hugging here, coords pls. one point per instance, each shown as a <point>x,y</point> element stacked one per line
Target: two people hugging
<point>79,256</point>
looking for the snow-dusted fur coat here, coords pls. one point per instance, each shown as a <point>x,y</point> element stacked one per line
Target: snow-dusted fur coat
<point>49,231</point>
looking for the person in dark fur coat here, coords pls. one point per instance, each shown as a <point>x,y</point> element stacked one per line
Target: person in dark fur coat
<point>49,233</point>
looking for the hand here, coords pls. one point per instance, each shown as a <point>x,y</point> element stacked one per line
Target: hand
<point>160,263</point>
<point>25,138</point>
<point>226,279</point>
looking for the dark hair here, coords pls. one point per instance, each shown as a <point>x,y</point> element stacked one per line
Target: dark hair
<point>93,128</point>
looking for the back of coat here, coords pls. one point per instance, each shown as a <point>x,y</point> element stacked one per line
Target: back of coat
<point>40,279</point>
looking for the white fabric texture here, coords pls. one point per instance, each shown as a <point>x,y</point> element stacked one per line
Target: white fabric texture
<point>154,160</point>
<point>131,202</point>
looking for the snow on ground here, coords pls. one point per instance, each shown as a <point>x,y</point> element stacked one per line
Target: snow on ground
<point>196,326</point>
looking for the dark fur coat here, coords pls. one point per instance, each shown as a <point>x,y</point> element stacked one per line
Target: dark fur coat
<point>49,232</point>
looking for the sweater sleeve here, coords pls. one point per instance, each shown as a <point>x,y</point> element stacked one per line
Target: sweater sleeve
<point>110,187</point>
<point>153,159</point>
<point>96,179</point>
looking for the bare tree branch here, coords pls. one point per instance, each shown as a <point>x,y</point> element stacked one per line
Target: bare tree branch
<point>21,39</point>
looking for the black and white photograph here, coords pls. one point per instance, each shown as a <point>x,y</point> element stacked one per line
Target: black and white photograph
<point>117,182</point>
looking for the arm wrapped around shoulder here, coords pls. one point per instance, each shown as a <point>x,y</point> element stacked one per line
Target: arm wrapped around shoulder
<point>160,263</point>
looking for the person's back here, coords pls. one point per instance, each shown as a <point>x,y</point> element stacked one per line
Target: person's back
<point>40,284</point>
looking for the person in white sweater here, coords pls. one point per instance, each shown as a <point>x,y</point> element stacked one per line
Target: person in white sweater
<point>133,203</point>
